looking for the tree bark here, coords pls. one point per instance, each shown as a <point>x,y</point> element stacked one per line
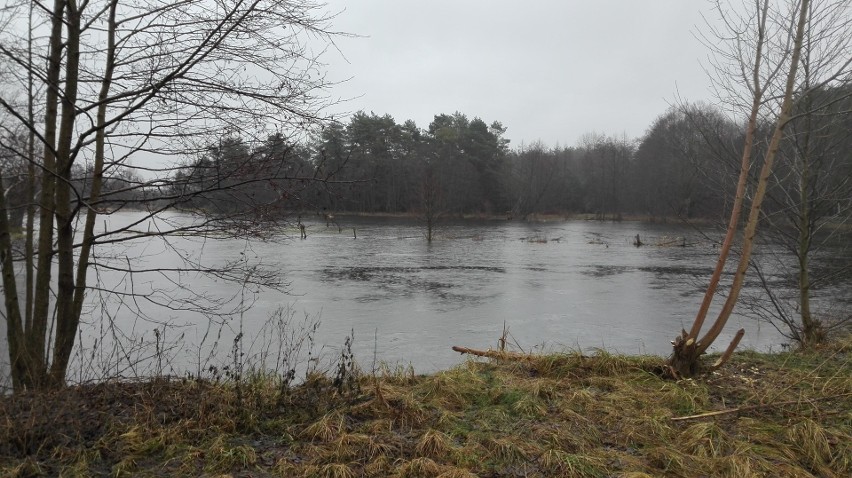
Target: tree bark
<point>31,185</point>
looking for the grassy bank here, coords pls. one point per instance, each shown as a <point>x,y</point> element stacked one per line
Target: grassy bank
<point>557,415</point>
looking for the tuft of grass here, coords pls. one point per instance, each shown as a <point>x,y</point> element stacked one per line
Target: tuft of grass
<point>705,440</point>
<point>509,450</point>
<point>560,463</point>
<point>222,456</point>
<point>811,441</point>
<point>563,414</point>
<point>326,429</point>
<point>435,444</point>
<point>331,470</point>
<point>453,472</point>
<point>420,467</point>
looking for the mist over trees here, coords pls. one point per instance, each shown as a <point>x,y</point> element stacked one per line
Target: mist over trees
<point>459,166</point>
<point>683,168</point>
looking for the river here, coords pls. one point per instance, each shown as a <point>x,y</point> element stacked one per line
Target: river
<point>575,285</point>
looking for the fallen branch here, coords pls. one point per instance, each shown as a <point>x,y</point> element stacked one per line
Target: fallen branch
<point>756,407</point>
<point>495,354</point>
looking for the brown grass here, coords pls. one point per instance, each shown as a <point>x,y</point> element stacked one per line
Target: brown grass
<point>557,415</point>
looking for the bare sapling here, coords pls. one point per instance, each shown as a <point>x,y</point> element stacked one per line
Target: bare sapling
<point>688,348</point>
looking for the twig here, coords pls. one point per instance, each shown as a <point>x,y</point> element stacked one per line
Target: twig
<point>755,407</point>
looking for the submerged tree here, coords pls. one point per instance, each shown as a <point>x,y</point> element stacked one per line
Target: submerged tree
<point>763,59</point>
<point>121,79</point>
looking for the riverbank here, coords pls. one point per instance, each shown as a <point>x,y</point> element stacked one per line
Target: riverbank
<point>786,414</point>
<point>533,217</point>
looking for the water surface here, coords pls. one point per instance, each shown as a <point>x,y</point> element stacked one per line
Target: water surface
<point>579,285</point>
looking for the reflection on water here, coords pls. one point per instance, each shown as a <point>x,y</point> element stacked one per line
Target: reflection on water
<point>578,284</point>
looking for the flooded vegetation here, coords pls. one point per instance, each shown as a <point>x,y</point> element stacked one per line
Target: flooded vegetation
<point>408,300</point>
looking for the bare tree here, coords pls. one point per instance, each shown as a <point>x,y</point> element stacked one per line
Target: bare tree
<point>809,217</point>
<point>534,176</point>
<point>811,199</point>
<point>681,165</point>
<point>431,200</point>
<point>122,79</point>
<point>605,167</point>
<point>761,53</point>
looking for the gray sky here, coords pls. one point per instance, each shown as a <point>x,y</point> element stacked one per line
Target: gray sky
<point>548,70</point>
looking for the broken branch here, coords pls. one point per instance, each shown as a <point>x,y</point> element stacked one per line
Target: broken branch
<point>756,407</point>
<point>495,354</point>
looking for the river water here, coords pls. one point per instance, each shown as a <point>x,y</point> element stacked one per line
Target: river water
<point>578,285</point>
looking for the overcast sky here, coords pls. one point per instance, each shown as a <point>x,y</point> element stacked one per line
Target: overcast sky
<point>548,70</point>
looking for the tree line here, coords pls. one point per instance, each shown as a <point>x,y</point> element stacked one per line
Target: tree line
<point>683,167</point>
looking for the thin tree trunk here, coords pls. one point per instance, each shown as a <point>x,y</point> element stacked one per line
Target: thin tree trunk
<point>685,353</point>
<point>811,332</point>
<point>757,93</point>
<point>18,354</point>
<point>97,175</point>
<point>41,299</point>
<point>29,265</point>
<point>66,320</point>
<point>810,328</point>
<point>765,172</point>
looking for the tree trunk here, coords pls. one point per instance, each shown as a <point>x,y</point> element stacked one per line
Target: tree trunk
<point>812,332</point>
<point>41,296</point>
<point>66,319</point>
<point>687,349</point>
<point>97,173</point>
<point>19,356</point>
<point>733,223</point>
<point>31,185</point>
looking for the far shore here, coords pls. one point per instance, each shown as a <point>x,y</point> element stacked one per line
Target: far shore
<point>537,217</point>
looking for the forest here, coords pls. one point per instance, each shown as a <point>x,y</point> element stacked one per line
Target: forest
<point>684,167</point>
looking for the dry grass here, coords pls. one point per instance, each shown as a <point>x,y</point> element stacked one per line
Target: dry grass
<point>558,415</point>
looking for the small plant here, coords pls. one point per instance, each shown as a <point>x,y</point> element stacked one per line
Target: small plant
<point>346,373</point>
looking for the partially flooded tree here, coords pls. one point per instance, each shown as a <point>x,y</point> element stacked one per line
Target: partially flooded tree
<point>811,213</point>
<point>605,166</point>
<point>431,200</point>
<point>760,54</point>
<point>534,177</point>
<point>156,80</point>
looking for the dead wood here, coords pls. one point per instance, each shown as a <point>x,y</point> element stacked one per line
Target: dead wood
<point>495,354</point>
<point>757,407</point>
